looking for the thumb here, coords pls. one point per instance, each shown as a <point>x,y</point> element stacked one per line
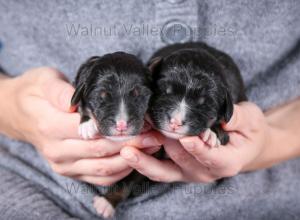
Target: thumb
<point>59,93</point>
<point>238,119</point>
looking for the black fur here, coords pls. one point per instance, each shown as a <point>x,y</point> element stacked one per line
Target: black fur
<point>209,80</point>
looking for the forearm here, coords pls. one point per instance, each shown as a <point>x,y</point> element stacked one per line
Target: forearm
<point>284,133</point>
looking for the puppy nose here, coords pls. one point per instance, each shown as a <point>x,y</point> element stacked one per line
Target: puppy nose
<point>121,125</point>
<point>175,123</point>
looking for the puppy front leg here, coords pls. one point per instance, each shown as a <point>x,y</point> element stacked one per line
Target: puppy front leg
<point>210,138</point>
<point>87,128</point>
<point>215,136</point>
<point>105,205</point>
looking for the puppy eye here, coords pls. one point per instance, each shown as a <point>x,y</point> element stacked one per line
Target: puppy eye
<point>103,94</point>
<point>169,90</point>
<point>201,100</point>
<point>135,92</point>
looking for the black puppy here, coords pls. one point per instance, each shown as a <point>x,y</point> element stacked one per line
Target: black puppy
<point>112,95</point>
<point>194,87</point>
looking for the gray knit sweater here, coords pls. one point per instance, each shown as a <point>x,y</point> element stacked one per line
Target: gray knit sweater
<point>263,37</point>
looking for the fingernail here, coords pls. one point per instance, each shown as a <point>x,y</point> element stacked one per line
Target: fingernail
<point>150,142</point>
<point>128,155</point>
<point>190,146</point>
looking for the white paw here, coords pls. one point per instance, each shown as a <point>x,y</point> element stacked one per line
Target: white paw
<point>210,138</point>
<point>103,207</point>
<point>88,129</point>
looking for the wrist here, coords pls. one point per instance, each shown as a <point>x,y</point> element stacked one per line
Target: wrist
<point>273,152</point>
<point>7,107</point>
<point>281,145</point>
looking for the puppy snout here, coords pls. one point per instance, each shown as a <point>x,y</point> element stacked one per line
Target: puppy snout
<point>121,125</point>
<point>176,123</point>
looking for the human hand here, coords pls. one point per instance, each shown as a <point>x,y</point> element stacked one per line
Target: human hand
<point>192,160</point>
<point>37,112</point>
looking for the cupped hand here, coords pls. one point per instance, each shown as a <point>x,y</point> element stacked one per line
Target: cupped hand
<point>192,160</point>
<point>37,112</point>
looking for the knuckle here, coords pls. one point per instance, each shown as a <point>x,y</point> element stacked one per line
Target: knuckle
<point>45,73</point>
<point>104,171</point>
<point>58,169</point>
<point>158,179</point>
<point>141,168</point>
<point>48,70</point>
<point>255,111</point>
<point>255,108</point>
<point>43,127</point>
<point>95,150</point>
<point>179,156</point>
<point>199,155</point>
<point>104,183</point>
<point>50,154</point>
<point>233,171</point>
<point>206,179</point>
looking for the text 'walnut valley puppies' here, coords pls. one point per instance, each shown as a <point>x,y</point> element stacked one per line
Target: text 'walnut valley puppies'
<point>195,87</point>
<point>112,95</point>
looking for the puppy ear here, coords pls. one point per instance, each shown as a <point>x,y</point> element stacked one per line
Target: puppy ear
<point>78,94</point>
<point>82,76</point>
<point>154,63</point>
<point>227,107</point>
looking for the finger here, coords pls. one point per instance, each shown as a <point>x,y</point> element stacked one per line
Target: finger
<point>151,150</point>
<point>191,167</point>
<point>72,149</point>
<point>149,139</point>
<point>179,155</point>
<point>157,170</point>
<point>97,167</point>
<point>60,124</point>
<point>209,157</point>
<point>83,149</point>
<point>242,118</point>
<point>65,126</point>
<point>104,181</point>
<point>59,93</point>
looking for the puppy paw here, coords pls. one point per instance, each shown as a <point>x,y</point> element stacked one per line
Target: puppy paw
<point>103,207</point>
<point>88,129</point>
<point>210,138</point>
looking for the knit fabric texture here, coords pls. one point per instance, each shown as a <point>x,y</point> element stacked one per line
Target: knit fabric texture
<point>263,37</point>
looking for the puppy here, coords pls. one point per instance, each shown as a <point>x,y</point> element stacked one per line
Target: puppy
<point>194,89</point>
<point>112,95</point>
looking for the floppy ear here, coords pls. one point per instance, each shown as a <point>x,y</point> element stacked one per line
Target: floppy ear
<point>227,107</point>
<point>81,80</point>
<point>77,94</point>
<point>154,63</point>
